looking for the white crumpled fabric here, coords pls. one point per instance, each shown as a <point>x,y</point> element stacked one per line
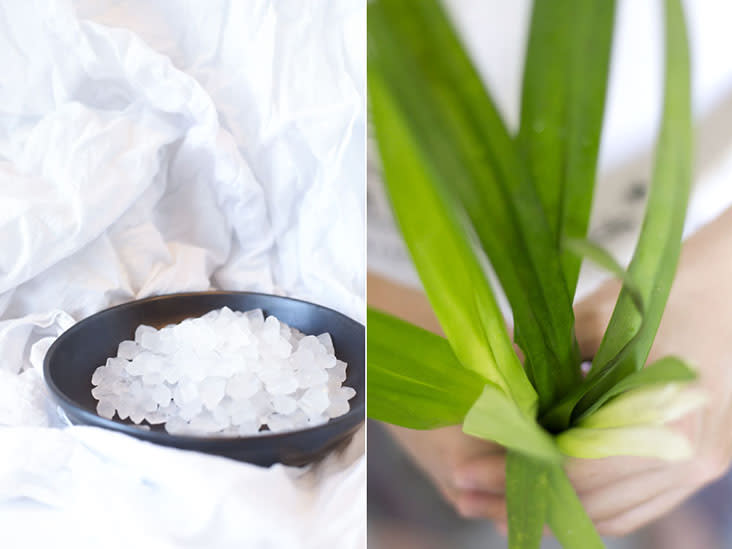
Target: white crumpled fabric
<point>154,147</point>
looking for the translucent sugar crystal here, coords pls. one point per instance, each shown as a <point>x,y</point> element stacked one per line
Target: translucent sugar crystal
<point>128,350</point>
<point>302,358</point>
<point>279,422</point>
<point>213,315</point>
<point>212,390</point>
<point>227,321</point>
<point>222,415</point>
<point>184,392</point>
<point>137,414</point>
<point>105,408</point>
<point>299,419</point>
<point>156,417</point>
<point>270,331</point>
<point>285,332</point>
<point>177,426</point>
<point>204,423</point>
<point>326,341</point>
<point>143,329</point>
<point>326,361</point>
<point>124,407</point>
<point>102,391</point>
<point>242,385</point>
<point>191,409</point>
<point>248,429</point>
<point>120,385</point>
<point>337,408</point>
<point>99,375</point>
<point>284,404</point>
<point>279,382</point>
<point>281,348</point>
<point>152,378</point>
<point>147,403</point>
<point>116,366</point>
<point>151,341</point>
<point>173,371</point>
<point>161,395</point>
<point>261,403</point>
<point>172,409</point>
<point>311,376</point>
<point>347,393</point>
<point>310,343</point>
<point>227,373</point>
<point>315,401</point>
<point>243,411</point>
<point>195,368</point>
<point>255,318</point>
<point>338,372</point>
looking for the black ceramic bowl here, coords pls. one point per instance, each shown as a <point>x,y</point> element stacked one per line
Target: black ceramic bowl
<point>72,359</point>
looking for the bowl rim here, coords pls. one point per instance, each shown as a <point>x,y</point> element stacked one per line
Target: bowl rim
<point>94,419</point>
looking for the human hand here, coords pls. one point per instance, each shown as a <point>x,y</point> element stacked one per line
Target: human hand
<point>469,472</point>
<point>622,494</point>
<point>443,453</point>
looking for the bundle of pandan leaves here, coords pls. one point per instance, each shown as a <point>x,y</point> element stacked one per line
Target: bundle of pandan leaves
<point>466,193</point>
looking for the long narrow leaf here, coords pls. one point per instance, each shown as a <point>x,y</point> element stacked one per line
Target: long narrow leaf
<point>563,98</point>
<point>415,55</point>
<point>461,295</point>
<point>559,416</point>
<point>656,255</point>
<point>414,379</point>
<point>527,482</point>
<point>636,440</point>
<point>656,404</point>
<point>665,370</point>
<point>566,516</point>
<point>495,417</point>
<point>587,249</point>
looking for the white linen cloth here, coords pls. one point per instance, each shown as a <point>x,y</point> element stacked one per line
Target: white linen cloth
<point>155,147</point>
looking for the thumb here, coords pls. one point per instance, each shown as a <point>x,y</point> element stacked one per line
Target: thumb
<point>591,317</point>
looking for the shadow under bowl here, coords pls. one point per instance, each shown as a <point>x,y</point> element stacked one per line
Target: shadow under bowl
<point>73,357</point>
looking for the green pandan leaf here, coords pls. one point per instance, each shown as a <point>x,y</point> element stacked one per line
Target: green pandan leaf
<point>636,440</point>
<point>437,238</point>
<point>657,252</point>
<point>561,414</point>
<point>566,516</point>
<point>527,483</point>
<point>587,249</point>
<point>562,104</point>
<point>656,404</point>
<point>420,69</point>
<point>496,417</point>
<point>414,379</point>
<point>665,370</point>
